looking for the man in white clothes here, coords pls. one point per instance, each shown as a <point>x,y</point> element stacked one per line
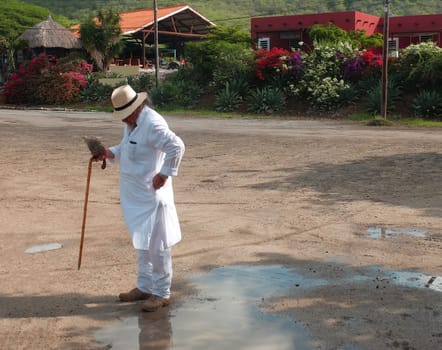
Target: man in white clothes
<point>149,155</point>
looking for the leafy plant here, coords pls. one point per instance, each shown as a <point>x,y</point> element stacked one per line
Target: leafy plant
<point>229,99</point>
<point>428,104</point>
<point>266,100</point>
<point>141,82</point>
<point>374,96</point>
<point>176,92</point>
<point>220,56</point>
<point>239,84</point>
<point>331,34</point>
<point>188,93</point>
<point>164,94</point>
<point>96,92</point>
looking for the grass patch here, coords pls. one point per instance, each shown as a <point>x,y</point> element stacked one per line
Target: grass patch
<point>99,108</point>
<point>361,116</point>
<point>379,121</point>
<point>203,113</point>
<point>419,122</point>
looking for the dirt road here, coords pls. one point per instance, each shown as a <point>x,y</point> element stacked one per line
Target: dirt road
<point>357,208</point>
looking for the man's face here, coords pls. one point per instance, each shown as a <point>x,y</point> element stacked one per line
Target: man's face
<point>132,118</point>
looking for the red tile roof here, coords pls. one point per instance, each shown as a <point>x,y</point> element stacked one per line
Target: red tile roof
<point>135,20</point>
<point>132,21</point>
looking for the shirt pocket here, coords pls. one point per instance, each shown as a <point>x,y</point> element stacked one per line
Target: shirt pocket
<point>132,150</point>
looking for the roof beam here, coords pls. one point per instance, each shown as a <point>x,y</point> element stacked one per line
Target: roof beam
<point>189,35</point>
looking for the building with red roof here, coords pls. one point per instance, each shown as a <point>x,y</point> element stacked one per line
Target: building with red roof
<point>176,25</point>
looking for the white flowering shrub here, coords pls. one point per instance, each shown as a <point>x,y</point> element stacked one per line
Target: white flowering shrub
<point>327,94</point>
<point>420,66</point>
<point>322,83</point>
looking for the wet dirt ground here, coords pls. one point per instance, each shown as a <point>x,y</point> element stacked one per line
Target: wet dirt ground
<point>297,234</point>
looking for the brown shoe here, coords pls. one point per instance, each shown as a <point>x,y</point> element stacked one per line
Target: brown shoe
<point>134,295</point>
<point>154,303</point>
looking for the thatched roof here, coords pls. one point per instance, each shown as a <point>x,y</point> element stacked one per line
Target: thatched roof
<point>50,34</point>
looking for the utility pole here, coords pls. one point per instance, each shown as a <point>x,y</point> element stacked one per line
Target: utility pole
<point>384,101</point>
<point>157,54</point>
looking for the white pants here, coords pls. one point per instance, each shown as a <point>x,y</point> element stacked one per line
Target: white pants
<point>155,272</point>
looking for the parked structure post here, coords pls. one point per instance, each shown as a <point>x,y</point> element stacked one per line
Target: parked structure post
<point>157,55</point>
<point>384,100</point>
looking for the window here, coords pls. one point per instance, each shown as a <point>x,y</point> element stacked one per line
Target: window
<point>393,47</point>
<point>294,44</point>
<point>264,43</point>
<point>293,38</point>
<point>426,38</point>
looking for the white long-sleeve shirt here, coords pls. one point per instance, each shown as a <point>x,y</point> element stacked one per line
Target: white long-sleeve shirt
<point>149,148</point>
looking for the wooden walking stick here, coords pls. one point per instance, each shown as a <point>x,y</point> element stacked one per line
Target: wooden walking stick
<point>97,150</point>
<point>86,197</point>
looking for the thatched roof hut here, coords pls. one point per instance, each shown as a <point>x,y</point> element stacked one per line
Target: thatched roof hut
<point>50,34</point>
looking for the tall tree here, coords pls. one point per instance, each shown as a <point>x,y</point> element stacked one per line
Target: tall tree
<point>101,37</point>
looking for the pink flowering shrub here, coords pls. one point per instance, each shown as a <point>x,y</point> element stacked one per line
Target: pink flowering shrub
<point>46,80</point>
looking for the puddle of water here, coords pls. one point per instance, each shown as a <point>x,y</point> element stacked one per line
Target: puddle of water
<point>121,335</point>
<point>226,314</point>
<point>382,232</point>
<point>416,280</point>
<point>43,248</point>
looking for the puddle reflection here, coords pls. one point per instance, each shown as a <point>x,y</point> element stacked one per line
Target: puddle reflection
<point>226,314</point>
<point>143,332</point>
<point>43,248</point>
<point>416,280</point>
<point>382,232</point>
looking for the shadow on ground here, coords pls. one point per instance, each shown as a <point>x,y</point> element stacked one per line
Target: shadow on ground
<point>410,180</point>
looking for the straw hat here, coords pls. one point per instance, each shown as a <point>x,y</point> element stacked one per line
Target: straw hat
<point>125,101</point>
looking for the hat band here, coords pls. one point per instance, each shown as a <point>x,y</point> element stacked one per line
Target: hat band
<point>127,104</point>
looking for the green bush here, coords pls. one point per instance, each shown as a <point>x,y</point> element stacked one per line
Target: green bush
<point>188,93</point>
<point>96,92</point>
<point>164,94</point>
<point>374,96</point>
<point>428,104</point>
<point>239,84</point>
<point>176,91</point>
<point>229,99</point>
<point>266,100</point>
<point>141,82</point>
<point>224,54</point>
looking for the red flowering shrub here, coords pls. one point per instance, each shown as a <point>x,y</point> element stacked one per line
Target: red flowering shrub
<point>44,80</point>
<point>277,60</point>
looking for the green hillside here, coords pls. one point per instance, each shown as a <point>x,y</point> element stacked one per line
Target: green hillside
<point>240,11</point>
<point>16,16</point>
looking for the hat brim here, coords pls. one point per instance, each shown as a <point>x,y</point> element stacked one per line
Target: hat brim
<point>124,113</point>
